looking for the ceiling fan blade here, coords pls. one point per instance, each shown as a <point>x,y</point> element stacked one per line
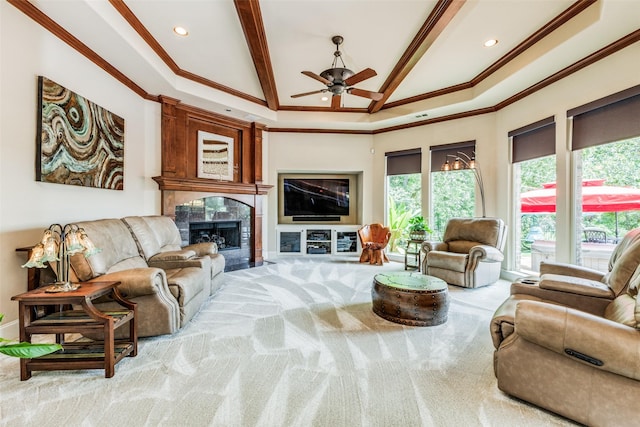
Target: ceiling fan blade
<point>316,77</point>
<point>308,93</point>
<point>376,96</point>
<point>336,100</point>
<point>365,74</point>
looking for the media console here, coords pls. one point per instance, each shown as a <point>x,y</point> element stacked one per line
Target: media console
<point>318,239</point>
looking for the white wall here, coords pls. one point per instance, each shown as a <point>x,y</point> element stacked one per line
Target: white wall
<point>322,153</point>
<point>27,206</point>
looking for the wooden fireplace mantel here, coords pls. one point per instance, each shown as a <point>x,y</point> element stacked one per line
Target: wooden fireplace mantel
<point>210,186</point>
<point>179,181</point>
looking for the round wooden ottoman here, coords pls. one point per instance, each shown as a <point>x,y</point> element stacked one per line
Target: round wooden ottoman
<point>410,298</point>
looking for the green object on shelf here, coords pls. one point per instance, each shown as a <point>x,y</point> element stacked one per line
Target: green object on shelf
<point>26,350</point>
<point>418,228</point>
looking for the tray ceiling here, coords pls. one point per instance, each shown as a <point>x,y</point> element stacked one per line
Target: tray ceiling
<point>244,58</point>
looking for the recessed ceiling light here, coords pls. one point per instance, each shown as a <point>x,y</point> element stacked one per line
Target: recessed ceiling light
<point>490,42</point>
<point>325,98</point>
<point>181,31</point>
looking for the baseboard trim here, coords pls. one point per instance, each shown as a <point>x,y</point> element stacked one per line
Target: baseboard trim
<point>10,330</point>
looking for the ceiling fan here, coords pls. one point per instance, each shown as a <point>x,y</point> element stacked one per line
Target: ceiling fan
<point>341,79</point>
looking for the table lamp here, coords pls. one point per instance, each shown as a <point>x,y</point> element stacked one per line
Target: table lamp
<point>58,243</point>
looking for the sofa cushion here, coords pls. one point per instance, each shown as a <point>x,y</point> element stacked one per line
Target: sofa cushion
<point>118,249</point>
<point>623,310</point>
<point>624,268</point>
<point>143,235</point>
<point>166,232</point>
<point>631,237</point>
<point>462,246</point>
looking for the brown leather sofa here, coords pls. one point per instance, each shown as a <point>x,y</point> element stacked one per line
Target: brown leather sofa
<point>169,286</point>
<point>570,343</point>
<point>470,254</point>
<point>159,240</point>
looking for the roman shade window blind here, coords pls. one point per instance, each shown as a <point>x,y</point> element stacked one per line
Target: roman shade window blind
<point>609,119</point>
<point>441,153</point>
<point>533,141</point>
<point>404,162</point>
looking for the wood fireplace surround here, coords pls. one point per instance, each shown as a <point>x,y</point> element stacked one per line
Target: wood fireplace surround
<point>179,182</point>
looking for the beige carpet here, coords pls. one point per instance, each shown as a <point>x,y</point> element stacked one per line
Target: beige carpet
<point>293,343</point>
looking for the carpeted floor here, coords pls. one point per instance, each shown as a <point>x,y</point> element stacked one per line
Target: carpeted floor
<point>293,343</point>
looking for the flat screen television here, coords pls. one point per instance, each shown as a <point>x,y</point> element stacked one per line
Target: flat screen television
<point>317,198</point>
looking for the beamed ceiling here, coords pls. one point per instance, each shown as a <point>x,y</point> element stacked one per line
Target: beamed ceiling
<point>244,58</point>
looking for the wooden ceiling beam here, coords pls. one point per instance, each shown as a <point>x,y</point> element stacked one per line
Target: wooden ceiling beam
<point>253,27</point>
<point>435,24</point>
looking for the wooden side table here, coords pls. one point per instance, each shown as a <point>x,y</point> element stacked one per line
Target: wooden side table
<point>413,255</point>
<point>84,353</point>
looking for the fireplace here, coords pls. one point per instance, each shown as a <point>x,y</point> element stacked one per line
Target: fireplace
<point>219,219</point>
<point>225,233</point>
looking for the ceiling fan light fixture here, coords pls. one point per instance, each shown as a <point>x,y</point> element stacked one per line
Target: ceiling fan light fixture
<point>181,31</point>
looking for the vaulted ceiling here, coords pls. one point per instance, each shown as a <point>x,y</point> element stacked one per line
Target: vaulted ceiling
<point>244,58</point>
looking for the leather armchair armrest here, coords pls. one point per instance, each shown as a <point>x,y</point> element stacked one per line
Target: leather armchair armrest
<point>570,270</point>
<point>483,253</point>
<point>180,255</point>
<point>137,282</point>
<point>434,246</point>
<point>486,253</point>
<point>589,339</point>
<point>576,285</point>
<point>202,249</point>
<point>204,263</point>
<point>502,322</point>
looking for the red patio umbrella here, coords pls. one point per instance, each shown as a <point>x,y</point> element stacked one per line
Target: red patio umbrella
<point>596,197</point>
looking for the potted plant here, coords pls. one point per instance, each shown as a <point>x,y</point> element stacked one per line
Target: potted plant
<point>418,228</point>
<point>25,350</point>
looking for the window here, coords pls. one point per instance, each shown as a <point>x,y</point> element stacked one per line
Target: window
<point>404,189</point>
<point>605,143</point>
<point>453,192</point>
<point>534,174</point>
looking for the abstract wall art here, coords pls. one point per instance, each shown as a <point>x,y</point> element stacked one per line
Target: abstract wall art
<point>215,156</point>
<point>79,142</point>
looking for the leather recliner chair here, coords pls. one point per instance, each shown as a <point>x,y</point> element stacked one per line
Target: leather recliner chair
<point>572,344</point>
<point>470,254</point>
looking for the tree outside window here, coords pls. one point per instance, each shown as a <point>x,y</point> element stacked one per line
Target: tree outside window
<point>453,195</point>
<point>404,201</point>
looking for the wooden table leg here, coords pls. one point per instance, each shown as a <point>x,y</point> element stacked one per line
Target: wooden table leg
<point>24,314</point>
<point>109,349</point>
